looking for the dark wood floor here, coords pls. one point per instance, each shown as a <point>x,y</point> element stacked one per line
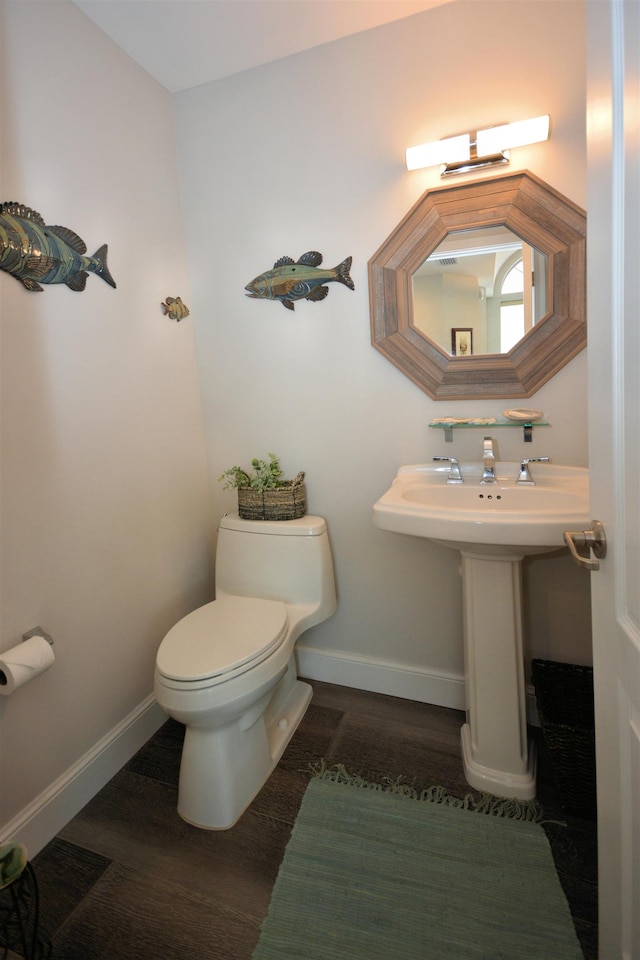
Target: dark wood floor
<point>127,879</point>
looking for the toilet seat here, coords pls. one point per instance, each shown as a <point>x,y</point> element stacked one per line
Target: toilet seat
<point>221,639</point>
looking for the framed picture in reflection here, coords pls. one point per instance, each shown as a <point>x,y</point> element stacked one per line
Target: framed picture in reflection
<point>461,341</point>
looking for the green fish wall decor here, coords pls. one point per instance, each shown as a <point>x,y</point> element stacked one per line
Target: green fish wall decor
<point>175,308</point>
<point>35,253</point>
<point>301,279</point>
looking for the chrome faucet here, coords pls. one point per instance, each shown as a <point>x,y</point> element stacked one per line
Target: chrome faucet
<point>525,476</point>
<point>455,475</point>
<point>488,461</point>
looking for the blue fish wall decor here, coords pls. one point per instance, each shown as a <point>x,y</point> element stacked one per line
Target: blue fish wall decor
<point>301,279</point>
<point>35,253</point>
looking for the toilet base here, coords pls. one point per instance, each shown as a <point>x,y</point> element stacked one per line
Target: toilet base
<point>223,769</point>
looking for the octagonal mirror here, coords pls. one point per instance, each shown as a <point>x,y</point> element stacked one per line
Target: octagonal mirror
<point>480,290</point>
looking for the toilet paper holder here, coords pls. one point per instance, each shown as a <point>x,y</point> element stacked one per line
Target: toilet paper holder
<point>37,632</point>
<point>27,660</point>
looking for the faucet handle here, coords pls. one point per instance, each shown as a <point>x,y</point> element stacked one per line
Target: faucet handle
<point>524,476</point>
<point>454,473</point>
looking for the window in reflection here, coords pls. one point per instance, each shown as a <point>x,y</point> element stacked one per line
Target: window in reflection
<point>512,312</point>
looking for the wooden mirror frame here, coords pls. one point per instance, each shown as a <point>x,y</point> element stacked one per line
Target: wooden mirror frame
<point>538,214</point>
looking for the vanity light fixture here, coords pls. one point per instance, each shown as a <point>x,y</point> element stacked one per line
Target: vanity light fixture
<point>480,149</point>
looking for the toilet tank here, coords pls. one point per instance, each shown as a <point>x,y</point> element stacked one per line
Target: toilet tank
<point>287,560</point>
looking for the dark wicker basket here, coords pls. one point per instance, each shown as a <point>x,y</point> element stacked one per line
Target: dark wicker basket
<point>287,502</point>
<point>564,695</point>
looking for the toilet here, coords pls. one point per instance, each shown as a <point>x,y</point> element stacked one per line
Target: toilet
<point>227,670</point>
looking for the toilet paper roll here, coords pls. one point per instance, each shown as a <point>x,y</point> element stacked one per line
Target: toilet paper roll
<point>24,662</point>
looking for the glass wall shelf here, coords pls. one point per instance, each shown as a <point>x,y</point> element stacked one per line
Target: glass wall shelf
<point>477,423</point>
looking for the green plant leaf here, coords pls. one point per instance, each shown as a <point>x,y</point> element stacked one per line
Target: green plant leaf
<point>266,475</point>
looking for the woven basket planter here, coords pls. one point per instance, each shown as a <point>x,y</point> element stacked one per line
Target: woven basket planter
<point>287,502</point>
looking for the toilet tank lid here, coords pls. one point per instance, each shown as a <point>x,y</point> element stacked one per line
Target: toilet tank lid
<point>306,526</point>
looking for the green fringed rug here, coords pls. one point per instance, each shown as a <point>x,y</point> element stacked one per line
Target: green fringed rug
<point>372,874</point>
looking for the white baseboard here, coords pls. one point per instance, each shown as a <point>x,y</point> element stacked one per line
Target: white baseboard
<point>392,677</point>
<point>44,817</point>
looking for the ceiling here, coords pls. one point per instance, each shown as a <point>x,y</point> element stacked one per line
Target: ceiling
<point>183,43</point>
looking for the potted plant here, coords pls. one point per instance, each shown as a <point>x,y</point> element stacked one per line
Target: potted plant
<point>263,494</point>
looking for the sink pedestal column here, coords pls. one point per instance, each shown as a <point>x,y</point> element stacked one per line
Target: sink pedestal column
<point>495,753</point>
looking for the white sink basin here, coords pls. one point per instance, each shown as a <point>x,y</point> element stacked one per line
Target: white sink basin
<point>499,517</point>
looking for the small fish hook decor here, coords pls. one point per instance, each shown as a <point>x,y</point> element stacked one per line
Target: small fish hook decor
<point>175,308</point>
<point>302,279</point>
<point>34,252</point>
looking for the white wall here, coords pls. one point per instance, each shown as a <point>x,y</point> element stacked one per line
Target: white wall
<point>308,153</point>
<point>105,497</point>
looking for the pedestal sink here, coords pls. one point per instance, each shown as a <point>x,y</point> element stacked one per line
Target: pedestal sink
<point>493,526</point>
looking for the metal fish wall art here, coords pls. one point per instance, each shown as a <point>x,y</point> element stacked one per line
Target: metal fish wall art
<point>301,279</point>
<point>175,308</point>
<point>35,253</point>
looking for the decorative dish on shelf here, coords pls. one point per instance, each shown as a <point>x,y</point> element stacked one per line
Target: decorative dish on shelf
<point>523,415</point>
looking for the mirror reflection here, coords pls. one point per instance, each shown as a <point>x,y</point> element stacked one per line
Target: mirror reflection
<point>480,291</point>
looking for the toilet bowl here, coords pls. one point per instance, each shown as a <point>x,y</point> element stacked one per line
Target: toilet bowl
<point>227,670</point>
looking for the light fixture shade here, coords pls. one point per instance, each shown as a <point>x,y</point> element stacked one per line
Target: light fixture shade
<point>440,151</point>
<point>509,135</point>
<point>473,150</point>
